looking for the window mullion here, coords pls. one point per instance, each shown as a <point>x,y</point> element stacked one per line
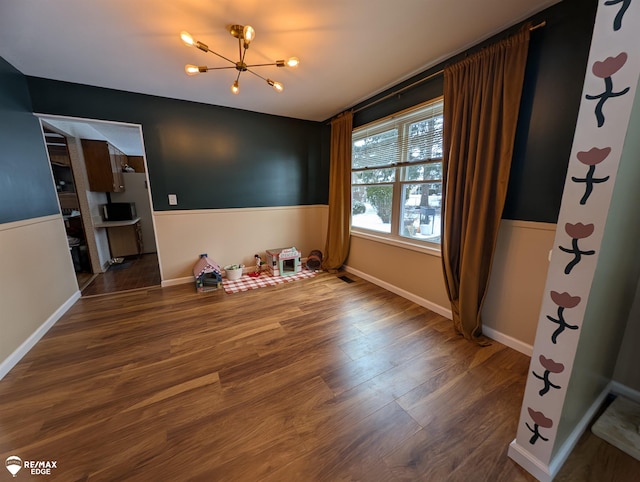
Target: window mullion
<point>395,207</point>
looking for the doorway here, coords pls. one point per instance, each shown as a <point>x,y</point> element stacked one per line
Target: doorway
<point>108,256</point>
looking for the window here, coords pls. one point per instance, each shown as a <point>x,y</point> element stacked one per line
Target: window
<point>396,175</point>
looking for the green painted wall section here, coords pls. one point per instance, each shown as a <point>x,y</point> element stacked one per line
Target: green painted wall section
<point>26,186</point>
<point>211,157</point>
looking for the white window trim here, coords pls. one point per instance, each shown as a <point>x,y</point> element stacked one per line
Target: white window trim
<point>393,238</point>
<point>424,247</point>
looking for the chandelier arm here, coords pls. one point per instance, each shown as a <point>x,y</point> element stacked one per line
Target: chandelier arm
<point>257,75</point>
<point>262,65</point>
<point>241,52</point>
<point>220,68</point>
<point>222,57</point>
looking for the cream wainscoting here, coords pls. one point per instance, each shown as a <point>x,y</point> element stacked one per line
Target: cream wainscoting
<point>512,305</point>
<point>414,274</point>
<point>518,276</point>
<point>37,284</point>
<point>231,236</point>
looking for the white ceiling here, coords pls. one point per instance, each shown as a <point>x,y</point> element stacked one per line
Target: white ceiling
<point>349,49</point>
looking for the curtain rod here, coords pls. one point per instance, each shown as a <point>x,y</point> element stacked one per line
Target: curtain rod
<point>424,79</point>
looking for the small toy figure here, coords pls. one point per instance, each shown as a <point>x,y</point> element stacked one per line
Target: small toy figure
<point>256,273</point>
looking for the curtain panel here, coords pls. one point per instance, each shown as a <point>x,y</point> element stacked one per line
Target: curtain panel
<point>339,223</point>
<point>481,103</point>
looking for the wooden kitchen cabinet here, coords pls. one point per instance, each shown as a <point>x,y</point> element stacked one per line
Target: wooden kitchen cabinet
<point>104,166</point>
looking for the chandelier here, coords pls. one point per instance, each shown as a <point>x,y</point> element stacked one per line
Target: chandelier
<point>245,35</point>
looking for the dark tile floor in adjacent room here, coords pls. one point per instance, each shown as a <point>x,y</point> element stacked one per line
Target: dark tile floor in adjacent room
<point>134,273</point>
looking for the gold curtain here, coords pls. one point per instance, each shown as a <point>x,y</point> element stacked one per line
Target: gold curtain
<point>339,228</point>
<point>481,103</point>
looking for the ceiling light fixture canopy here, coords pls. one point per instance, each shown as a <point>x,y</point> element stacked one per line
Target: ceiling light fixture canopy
<point>245,35</point>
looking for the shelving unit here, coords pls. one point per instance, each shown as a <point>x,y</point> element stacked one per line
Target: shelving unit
<point>69,205</point>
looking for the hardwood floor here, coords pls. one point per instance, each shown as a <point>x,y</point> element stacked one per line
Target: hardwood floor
<point>315,380</point>
<point>134,273</point>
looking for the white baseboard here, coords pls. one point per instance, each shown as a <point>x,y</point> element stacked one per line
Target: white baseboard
<point>13,359</point>
<point>177,281</point>
<point>529,463</point>
<point>546,473</point>
<point>441,310</point>
<point>507,340</point>
<point>619,389</point>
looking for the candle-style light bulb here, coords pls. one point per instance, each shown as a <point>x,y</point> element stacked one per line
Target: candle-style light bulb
<point>248,34</point>
<point>191,69</point>
<point>277,86</point>
<point>187,38</point>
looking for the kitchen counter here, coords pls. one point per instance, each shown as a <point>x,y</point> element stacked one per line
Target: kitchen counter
<point>115,224</point>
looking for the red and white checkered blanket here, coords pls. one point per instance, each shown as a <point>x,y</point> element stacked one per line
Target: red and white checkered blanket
<point>246,283</point>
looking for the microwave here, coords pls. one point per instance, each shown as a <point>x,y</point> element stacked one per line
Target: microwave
<point>119,211</point>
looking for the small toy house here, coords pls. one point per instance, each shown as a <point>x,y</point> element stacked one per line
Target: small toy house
<point>207,274</point>
<point>283,261</point>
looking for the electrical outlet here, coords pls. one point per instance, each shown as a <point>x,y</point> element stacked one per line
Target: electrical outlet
<point>173,200</point>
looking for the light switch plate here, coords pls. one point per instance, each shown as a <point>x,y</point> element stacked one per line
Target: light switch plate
<point>173,200</point>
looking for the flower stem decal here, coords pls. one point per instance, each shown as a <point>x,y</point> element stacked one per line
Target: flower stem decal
<point>605,70</point>
<point>549,366</point>
<point>577,231</point>
<point>539,420</point>
<point>563,300</point>
<point>617,22</point>
<point>591,158</point>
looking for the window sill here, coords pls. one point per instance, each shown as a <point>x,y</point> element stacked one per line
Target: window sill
<point>398,242</point>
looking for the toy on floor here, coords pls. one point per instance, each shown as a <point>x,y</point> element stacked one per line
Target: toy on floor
<point>207,274</point>
<point>256,273</point>
<point>283,261</point>
<point>314,260</point>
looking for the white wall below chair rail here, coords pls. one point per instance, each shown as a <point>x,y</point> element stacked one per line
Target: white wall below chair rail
<point>12,360</point>
<point>37,283</point>
<point>233,236</point>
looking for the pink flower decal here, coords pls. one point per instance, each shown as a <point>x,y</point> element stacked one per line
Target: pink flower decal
<point>609,66</point>
<point>551,365</point>
<point>593,156</point>
<point>565,300</point>
<point>605,70</point>
<point>540,419</point>
<point>579,230</point>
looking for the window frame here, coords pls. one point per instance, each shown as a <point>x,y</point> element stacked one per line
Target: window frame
<point>403,119</point>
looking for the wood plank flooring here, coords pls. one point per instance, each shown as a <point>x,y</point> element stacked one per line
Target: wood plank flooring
<point>140,272</point>
<point>316,380</point>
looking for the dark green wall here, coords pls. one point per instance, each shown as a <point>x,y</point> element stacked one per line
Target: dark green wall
<point>209,156</point>
<point>26,185</point>
<point>556,67</point>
